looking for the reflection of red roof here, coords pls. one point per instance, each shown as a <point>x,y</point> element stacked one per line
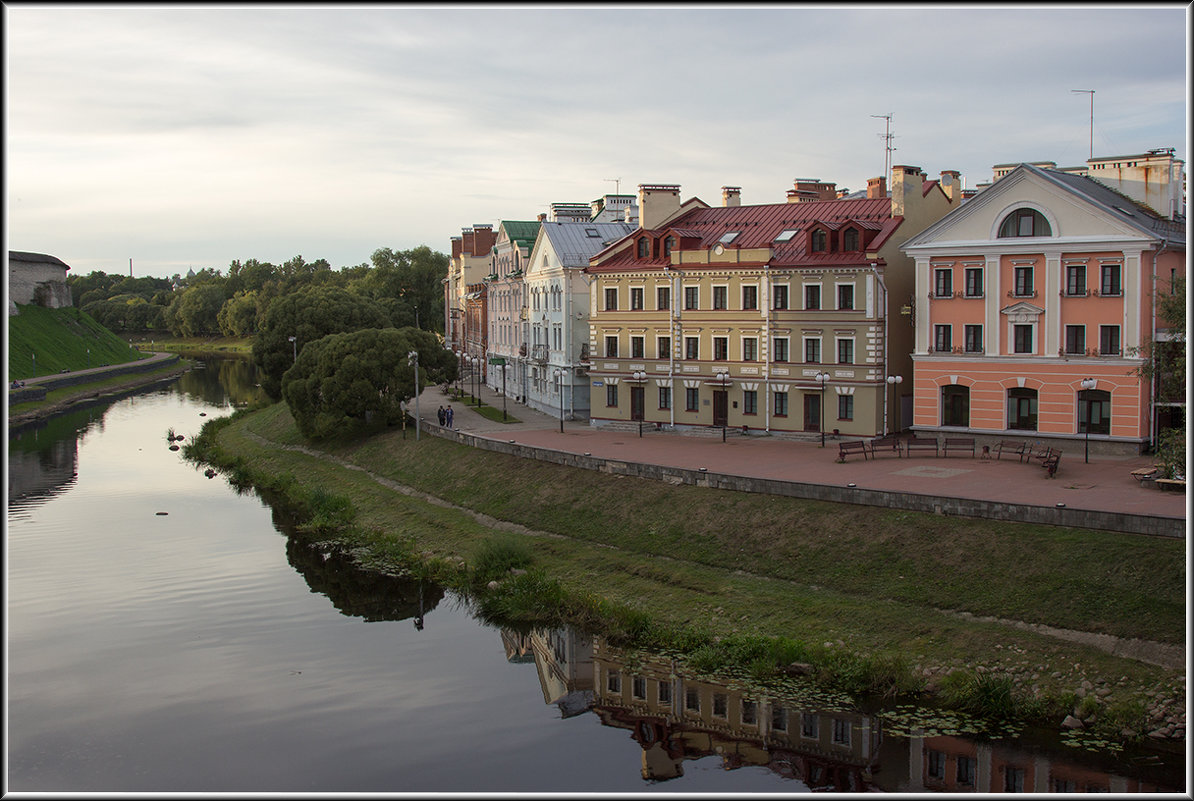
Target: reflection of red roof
<point>758,226</point>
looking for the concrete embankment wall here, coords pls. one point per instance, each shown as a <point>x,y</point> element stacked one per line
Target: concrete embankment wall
<point>960,507</point>
<point>44,384</point>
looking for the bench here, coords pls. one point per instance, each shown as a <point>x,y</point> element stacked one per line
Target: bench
<point>915,444</point>
<point>880,444</point>
<point>1143,474</point>
<point>1175,484</point>
<point>1018,448</point>
<point>856,446</point>
<point>1050,463</point>
<point>959,444</point>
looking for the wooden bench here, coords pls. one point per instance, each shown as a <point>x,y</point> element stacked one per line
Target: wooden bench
<point>1050,463</point>
<point>915,444</point>
<point>1018,448</point>
<point>959,444</point>
<point>856,446</point>
<point>883,444</point>
<point>1143,474</point>
<point>1174,484</point>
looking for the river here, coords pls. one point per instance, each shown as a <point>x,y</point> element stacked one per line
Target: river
<point>166,634</point>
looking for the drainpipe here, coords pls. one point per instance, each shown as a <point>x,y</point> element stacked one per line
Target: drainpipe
<point>886,344</point>
<point>770,351</point>
<point>1152,348</point>
<point>674,323</point>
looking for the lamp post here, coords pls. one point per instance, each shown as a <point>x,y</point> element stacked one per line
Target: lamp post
<point>412,358</point>
<point>559,374</point>
<point>822,379</point>
<point>503,392</point>
<point>893,380</point>
<point>294,346</point>
<point>1087,385</point>
<point>477,380</point>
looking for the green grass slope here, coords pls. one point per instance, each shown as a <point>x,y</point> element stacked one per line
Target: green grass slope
<point>43,341</point>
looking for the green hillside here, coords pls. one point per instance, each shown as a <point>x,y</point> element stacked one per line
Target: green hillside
<point>43,341</point>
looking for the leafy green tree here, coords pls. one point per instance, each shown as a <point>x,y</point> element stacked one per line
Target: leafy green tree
<point>238,315</point>
<point>308,315</point>
<point>346,383</point>
<point>408,283</point>
<point>195,311</point>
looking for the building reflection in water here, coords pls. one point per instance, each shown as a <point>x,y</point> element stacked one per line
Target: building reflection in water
<point>674,718</point>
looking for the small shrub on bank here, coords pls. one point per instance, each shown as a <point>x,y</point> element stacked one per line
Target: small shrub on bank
<point>983,695</point>
<point>497,556</point>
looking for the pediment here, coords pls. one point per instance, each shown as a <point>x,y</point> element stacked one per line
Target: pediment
<point>1022,312</point>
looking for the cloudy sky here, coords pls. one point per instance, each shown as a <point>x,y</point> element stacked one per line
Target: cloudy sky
<point>190,136</point>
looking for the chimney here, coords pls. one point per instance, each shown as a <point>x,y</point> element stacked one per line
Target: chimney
<point>731,196</point>
<point>951,182</point>
<point>656,203</point>
<point>906,182</point>
<point>841,193</point>
<point>876,187</point>
<point>542,216</point>
<point>811,189</point>
<point>630,215</point>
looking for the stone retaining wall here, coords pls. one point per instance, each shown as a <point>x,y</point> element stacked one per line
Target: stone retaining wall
<point>71,379</point>
<point>960,507</point>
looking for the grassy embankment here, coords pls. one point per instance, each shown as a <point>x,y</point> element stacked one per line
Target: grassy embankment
<point>192,347</point>
<point>45,341</point>
<point>859,593</point>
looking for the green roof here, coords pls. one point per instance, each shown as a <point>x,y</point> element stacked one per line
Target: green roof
<point>521,230</point>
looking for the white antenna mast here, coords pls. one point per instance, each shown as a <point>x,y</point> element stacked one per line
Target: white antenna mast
<point>617,184</point>
<point>887,137</point>
<point>1091,93</point>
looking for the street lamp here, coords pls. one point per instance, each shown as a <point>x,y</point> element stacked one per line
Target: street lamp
<point>503,391</point>
<point>822,379</point>
<point>477,380</point>
<point>1087,385</point>
<point>559,374</point>
<point>893,380</point>
<point>412,358</point>
<point>294,343</point>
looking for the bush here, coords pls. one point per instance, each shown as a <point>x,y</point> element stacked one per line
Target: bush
<point>497,556</point>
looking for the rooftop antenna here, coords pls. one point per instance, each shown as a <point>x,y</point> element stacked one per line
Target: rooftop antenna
<point>1091,93</point>
<point>887,137</point>
<point>617,184</point>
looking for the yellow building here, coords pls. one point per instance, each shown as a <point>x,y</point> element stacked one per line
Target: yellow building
<point>782,317</point>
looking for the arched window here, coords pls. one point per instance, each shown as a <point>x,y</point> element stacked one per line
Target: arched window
<point>955,405</point>
<point>1021,409</point>
<point>644,247</point>
<point>1025,222</point>
<point>850,239</point>
<point>817,241</point>
<point>1094,411</point>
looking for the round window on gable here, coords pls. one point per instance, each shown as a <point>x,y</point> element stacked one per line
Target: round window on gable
<point>1025,222</point>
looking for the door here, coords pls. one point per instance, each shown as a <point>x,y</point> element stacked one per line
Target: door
<point>720,407</point>
<point>812,412</point>
<point>636,403</point>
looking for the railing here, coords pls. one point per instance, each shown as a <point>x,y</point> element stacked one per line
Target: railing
<point>539,353</point>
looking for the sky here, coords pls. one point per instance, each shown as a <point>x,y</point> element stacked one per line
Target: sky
<point>189,136</point>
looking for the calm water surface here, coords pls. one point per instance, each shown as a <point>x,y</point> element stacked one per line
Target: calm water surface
<point>165,634</point>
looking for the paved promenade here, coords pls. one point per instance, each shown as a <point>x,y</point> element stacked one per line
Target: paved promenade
<point>1105,484</point>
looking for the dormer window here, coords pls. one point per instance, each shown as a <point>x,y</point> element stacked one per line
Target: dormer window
<point>1025,222</point>
<point>668,244</point>
<point>728,238</point>
<point>817,241</point>
<point>644,247</point>
<point>850,239</point>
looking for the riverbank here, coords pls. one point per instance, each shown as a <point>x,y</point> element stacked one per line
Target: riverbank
<point>876,584</point>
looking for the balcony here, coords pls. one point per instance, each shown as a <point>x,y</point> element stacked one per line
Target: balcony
<point>539,353</point>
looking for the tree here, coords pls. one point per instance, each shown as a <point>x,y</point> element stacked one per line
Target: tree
<point>409,283</point>
<point>343,384</point>
<point>238,315</point>
<point>195,311</point>
<point>1164,365</point>
<point>308,315</point>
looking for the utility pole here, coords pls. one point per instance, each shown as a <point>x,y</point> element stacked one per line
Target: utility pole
<point>617,184</point>
<point>887,137</point>
<point>1091,93</point>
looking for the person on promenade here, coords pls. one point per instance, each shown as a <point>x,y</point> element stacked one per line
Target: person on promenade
<point>441,415</point>
<point>448,416</point>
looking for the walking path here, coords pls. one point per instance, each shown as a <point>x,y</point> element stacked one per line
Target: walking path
<point>1104,484</point>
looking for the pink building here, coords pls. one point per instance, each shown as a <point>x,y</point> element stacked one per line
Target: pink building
<point>1033,301</point>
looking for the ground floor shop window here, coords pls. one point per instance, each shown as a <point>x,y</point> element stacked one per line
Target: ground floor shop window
<point>955,406</point>
<point>1094,411</point>
<point>1021,409</point>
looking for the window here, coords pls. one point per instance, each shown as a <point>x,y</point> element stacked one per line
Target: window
<point>943,338</point>
<point>611,299</point>
<point>1025,222</point>
<point>845,407</point>
<point>812,351</point>
<point>721,705</point>
<point>692,699</point>
<point>665,397</point>
<point>591,233</point>
<point>817,241</point>
<point>750,713</point>
<point>1111,283</point>
<point>966,770</point>
<point>955,405</point>
<point>850,239</point>
<point>1023,283</point>
<point>1075,280</point>
<point>974,282</point>
<point>719,297</point>
<point>750,297</point>
<point>728,238</point>
<point>638,349</point>
<point>936,764</point>
<point>663,298</point>
<point>611,395</point>
<point>750,401</point>
<point>638,688</point>
<point>845,351</point>
<point>1109,340</point>
<point>611,347</point>
<point>779,349</point>
<point>636,298</point>
<point>1064,786</point>
<point>1021,409</point>
<point>1075,340</point>
<point>665,692</point>
<point>692,399</point>
<point>780,402</point>
<point>780,295</point>
<point>692,297</point>
<point>644,247</point>
<point>668,244</point>
<point>692,348</point>
<point>812,296</point>
<point>1094,411</point>
<point>1013,780</point>
<point>845,296</point>
<point>779,718</point>
<point>943,283</point>
<point>973,336</point>
<point>750,349</point>
<point>809,725</point>
<point>786,235</point>
<point>1022,338</point>
<point>613,681</point>
<point>663,347</point>
<point>721,349</point>
<point>841,732</point>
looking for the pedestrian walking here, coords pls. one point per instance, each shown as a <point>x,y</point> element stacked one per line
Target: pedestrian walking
<point>448,415</point>
<point>442,416</point>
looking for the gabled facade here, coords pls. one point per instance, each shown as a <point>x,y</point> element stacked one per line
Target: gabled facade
<point>465,327</point>
<point>557,298</point>
<point>775,317</point>
<point>1033,301</point>
<point>506,305</point>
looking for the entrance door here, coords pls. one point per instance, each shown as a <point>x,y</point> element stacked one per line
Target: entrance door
<point>636,403</point>
<point>812,412</point>
<point>721,407</point>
